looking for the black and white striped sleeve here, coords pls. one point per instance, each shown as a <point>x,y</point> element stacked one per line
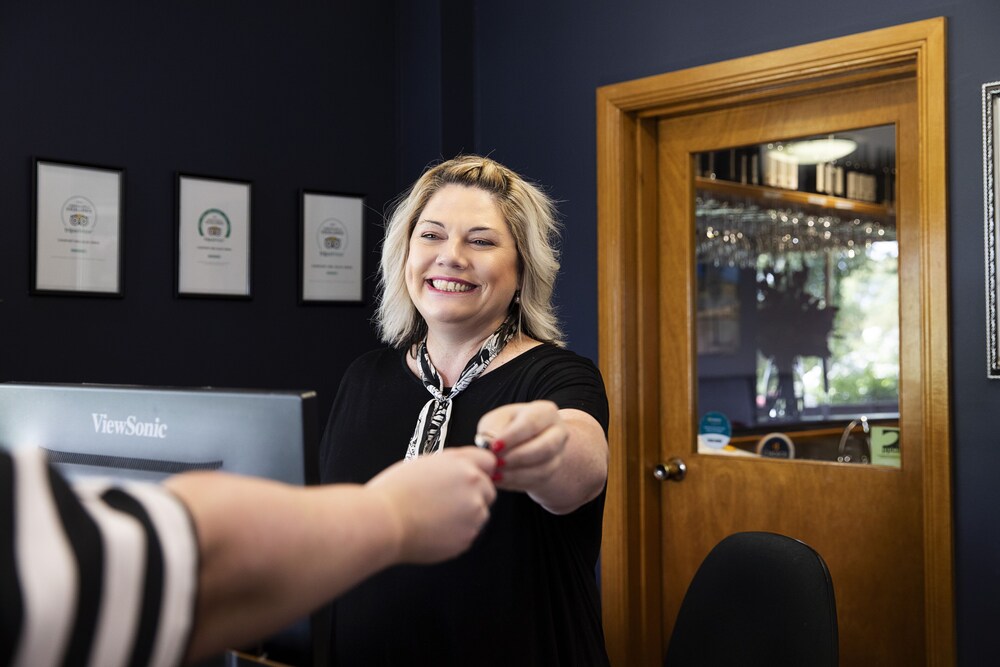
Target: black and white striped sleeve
<point>93,574</point>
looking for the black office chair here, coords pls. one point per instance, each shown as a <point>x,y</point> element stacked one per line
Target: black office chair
<point>757,599</point>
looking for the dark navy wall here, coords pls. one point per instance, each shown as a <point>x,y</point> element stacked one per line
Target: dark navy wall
<point>538,65</point>
<point>286,95</point>
<point>436,41</point>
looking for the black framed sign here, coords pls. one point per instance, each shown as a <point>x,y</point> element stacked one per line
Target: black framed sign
<point>213,237</point>
<point>991,107</point>
<point>331,247</point>
<point>76,231</point>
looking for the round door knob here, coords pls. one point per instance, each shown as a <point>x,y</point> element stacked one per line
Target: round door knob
<point>673,470</point>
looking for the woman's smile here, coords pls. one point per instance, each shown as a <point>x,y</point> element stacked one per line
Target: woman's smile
<point>450,285</point>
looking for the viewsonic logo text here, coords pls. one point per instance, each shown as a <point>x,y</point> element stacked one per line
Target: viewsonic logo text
<point>128,426</point>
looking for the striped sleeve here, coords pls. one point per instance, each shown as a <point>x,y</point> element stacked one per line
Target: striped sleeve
<point>92,574</point>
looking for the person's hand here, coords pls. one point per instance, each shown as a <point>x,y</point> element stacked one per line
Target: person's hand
<point>441,502</point>
<point>529,440</point>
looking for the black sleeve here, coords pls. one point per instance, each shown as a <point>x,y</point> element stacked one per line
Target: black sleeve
<point>572,381</point>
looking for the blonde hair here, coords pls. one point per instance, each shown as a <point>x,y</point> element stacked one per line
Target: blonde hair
<point>531,217</point>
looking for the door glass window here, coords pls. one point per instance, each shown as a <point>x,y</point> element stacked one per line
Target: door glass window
<point>797,299</point>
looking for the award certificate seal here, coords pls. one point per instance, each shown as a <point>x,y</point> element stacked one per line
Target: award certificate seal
<point>331,237</point>
<point>213,225</point>
<point>79,215</point>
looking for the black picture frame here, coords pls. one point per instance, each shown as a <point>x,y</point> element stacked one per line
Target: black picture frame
<point>77,237</point>
<point>991,190</point>
<point>331,247</point>
<point>213,237</point>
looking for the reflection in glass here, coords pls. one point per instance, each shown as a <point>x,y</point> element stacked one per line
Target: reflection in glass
<point>797,297</point>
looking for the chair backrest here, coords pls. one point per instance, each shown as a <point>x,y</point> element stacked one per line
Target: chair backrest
<point>757,599</point>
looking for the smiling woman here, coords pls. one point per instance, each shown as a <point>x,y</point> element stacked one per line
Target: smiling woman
<point>467,271</point>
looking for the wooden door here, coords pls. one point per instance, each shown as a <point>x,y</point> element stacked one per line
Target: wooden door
<point>866,521</point>
<point>892,568</point>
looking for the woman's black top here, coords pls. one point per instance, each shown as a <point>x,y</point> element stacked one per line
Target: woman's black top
<point>525,593</point>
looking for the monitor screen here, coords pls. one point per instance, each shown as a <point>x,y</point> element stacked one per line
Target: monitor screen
<point>148,433</point>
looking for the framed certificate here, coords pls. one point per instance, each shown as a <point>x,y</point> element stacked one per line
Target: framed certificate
<point>331,248</point>
<point>213,237</point>
<point>76,232</point>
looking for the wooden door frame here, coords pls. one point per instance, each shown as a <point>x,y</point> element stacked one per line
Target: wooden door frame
<point>628,303</point>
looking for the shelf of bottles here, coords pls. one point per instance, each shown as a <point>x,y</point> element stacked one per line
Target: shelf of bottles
<point>755,201</point>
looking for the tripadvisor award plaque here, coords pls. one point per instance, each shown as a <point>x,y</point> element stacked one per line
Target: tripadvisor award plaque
<point>213,237</point>
<point>77,230</point>
<point>331,248</point>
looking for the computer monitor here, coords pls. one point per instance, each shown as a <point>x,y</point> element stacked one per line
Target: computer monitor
<point>148,433</point>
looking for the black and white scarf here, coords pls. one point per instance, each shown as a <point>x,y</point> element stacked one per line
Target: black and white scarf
<point>432,424</point>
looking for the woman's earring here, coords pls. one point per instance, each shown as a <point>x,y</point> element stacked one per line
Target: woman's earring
<point>517,296</point>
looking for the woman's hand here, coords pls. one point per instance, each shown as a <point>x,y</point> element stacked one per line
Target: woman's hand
<point>529,440</point>
<point>558,457</point>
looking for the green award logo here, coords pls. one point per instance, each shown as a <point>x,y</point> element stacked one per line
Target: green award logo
<point>213,225</point>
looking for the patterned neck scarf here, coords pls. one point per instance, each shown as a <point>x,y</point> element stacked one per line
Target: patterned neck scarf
<point>432,424</point>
